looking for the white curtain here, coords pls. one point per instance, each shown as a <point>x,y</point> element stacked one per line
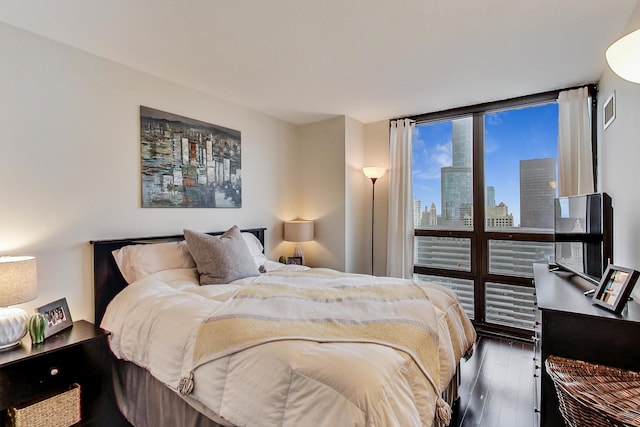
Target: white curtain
<point>400,227</point>
<point>575,157</point>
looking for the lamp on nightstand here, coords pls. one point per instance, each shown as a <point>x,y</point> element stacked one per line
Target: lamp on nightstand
<point>18,284</point>
<point>298,231</point>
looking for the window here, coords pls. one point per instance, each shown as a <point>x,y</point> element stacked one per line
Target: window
<point>443,174</point>
<point>484,182</point>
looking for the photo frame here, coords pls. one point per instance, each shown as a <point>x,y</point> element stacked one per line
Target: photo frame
<point>57,317</point>
<point>615,287</point>
<point>295,260</point>
<point>609,110</point>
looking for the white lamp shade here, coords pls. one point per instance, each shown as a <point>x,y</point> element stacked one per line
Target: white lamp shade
<point>298,231</point>
<point>623,57</point>
<point>374,172</point>
<point>18,280</point>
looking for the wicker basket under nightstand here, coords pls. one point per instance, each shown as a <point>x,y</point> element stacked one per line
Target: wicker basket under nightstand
<point>61,409</point>
<point>595,395</point>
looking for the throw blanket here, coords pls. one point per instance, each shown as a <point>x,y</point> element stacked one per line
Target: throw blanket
<point>346,308</point>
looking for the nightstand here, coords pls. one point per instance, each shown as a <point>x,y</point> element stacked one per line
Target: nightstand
<point>79,354</point>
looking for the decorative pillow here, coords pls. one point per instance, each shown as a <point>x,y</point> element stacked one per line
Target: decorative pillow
<point>138,261</point>
<point>221,259</point>
<point>255,247</point>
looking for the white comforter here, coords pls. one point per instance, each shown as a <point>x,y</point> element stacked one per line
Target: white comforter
<point>286,383</point>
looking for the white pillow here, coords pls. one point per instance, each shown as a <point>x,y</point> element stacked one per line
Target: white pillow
<point>255,247</point>
<point>138,261</point>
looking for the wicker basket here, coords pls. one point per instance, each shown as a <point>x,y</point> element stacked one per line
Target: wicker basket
<point>59,410</point>
<point>595,395</point>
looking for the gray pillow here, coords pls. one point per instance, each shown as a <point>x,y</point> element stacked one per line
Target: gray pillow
<point>221,259</point>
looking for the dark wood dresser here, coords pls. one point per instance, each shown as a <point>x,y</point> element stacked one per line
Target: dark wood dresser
<point>573,327</point>
<point>79,354</point>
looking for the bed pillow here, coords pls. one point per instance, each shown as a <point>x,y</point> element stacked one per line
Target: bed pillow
<point>138,261</point>
<point>256,248</point>
<point>221,259</point>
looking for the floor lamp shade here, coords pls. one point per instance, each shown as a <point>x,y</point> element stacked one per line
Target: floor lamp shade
<point>374,172</point>
<point>18,284</point>
<point>298,231</point>
<point>623,56</point>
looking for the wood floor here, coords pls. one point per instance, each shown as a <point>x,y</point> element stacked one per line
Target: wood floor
<point>497,387</point>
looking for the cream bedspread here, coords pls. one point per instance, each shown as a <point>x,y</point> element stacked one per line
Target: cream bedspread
<point>156,323</point>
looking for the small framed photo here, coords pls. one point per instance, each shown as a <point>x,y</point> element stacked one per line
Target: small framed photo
<point>57,316</point>
<point>615,287</point>
<point>295,260</point>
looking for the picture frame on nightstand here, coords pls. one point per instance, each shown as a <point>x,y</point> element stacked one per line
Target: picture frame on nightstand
<point>615,287</point>
<point>57,316</point>
<point>295,260</point>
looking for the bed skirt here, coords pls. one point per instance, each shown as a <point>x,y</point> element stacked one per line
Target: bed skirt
<point>146,402</point>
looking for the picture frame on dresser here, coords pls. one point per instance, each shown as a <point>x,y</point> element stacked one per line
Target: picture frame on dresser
<point>615,287</point>
<point>57,316</point>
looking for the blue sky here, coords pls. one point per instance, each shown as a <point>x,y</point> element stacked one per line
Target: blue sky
<point>510,136</point>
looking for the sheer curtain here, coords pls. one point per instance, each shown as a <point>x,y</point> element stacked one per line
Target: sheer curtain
<point>575,157</point>
<point>400,227</point>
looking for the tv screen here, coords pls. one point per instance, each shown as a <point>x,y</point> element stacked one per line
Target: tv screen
<point>583,229</point>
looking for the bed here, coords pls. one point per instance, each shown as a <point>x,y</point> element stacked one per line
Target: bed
<point>288,345</point>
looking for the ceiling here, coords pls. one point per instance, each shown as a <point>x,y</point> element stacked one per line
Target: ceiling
<point>304,61</point>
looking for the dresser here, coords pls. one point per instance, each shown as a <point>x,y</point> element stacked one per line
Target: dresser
<point>571,326</point>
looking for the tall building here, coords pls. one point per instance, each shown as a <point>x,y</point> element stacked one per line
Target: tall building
<point>537,192</point>
<point>416,213</point>
<point>462,148</point>
<point>490,196</point>
<point>456,180</point>
<point>429,217</point>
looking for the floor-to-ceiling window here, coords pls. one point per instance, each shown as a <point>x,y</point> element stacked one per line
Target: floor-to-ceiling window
<point>484,183</point>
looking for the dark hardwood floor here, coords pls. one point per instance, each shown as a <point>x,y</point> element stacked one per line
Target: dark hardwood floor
<point>497,387</point>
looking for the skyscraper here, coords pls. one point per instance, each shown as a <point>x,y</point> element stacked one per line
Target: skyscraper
<point>456,180</point>
<point>490,196</point>
<point>417,214</point>
<point>537,192</point>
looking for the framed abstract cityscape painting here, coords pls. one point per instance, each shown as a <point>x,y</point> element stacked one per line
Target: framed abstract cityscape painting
<point>187,163</point>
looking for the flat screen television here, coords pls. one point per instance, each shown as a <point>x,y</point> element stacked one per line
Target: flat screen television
<point>583,231</point>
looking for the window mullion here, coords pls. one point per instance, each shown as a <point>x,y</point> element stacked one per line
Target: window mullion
<point>479,245</point>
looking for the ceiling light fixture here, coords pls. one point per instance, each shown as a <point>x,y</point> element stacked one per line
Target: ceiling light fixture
<point>623,56</point>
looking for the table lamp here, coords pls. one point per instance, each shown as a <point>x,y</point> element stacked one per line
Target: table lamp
<point>298,231</point>
<point>18,284</point>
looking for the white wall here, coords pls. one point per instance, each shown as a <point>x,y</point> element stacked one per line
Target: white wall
<point>322,191</point>
<point>619,153</point>
<point>358,260</point>
<point>333,193</point>
<point>70,162</point>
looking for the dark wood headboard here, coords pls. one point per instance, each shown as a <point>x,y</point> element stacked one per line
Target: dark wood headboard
<point>107,279</point>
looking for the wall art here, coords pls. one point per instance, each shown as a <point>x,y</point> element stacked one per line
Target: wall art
<point>187,163</point>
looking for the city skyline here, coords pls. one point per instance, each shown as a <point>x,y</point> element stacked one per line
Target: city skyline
<point>511,136</point>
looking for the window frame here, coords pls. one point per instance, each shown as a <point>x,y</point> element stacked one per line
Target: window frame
<point>479,236</point>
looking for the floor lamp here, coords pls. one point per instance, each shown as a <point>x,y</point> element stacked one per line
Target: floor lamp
<point>373,173</point>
